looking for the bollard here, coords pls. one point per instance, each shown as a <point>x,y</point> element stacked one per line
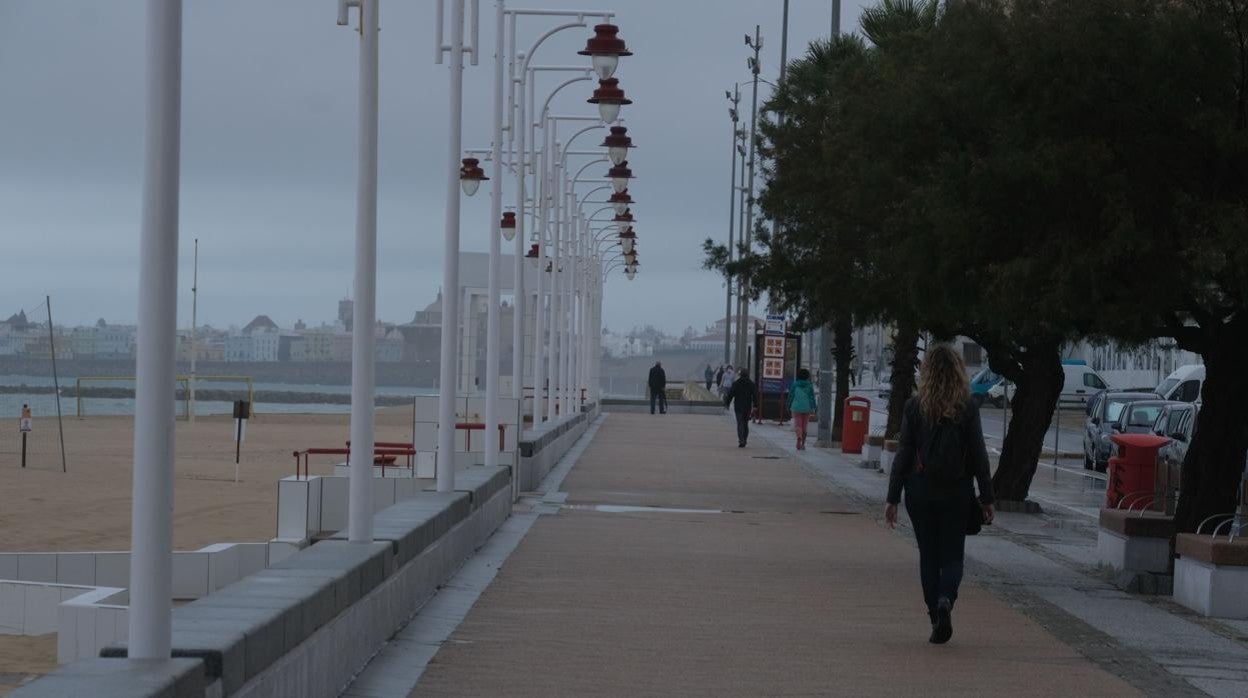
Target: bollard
<point>875,445</point>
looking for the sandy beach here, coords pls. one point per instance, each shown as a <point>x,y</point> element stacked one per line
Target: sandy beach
<point>88,508</point>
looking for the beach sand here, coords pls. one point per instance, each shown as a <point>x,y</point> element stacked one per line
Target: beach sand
<point>88,508</point>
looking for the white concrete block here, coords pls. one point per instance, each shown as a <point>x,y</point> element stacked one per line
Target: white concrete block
<point>476,409</point>
<point>1136,554</point>
<point>223,568</point>
<point>12,608</point>
<point>427,408</point>
<point>280,550</point>
<point>39,611</point>
<point>426,434</point>
<point>426,464</point>
<point>8,565</point>
<point>190,575</point>
<point>75,568</point>
<point>1211,590</point>
<point>37,567</point>
<point>105,628</point>
<point>333,503</point>
<point>293,515</point>
<point>112,569</point>
<point>84,631</point>
<point>67,634</point>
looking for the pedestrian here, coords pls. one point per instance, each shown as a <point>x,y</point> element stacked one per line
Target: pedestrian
<point>719,380</point>
<point>742,396</point>
<point>709,375</point>
<point>802,404</point>
<point>941,453</point>
<point>658,387</point>
<point>725,383</point>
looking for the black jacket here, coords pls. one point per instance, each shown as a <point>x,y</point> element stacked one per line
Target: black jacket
<point>657,380</point>
<point>743,393</point>
<point>914,430</point>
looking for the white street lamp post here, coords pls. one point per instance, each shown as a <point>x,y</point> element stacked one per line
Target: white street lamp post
<point>364,311</point>
<point>151,521</point>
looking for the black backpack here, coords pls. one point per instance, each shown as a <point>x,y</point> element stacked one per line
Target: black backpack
<point>943,451</point>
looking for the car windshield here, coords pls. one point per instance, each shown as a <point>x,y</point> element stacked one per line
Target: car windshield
<point>1143,415</point>
<point>1166,386</point>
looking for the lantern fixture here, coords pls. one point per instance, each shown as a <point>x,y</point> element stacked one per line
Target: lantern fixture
<point>508,226</point>
<point>617,144</point>
<point>630,273</point>
<point>606,48</point>
<point>620,174</point>
<point>609,98</point>
<point>631,256</point>
<point>531,255</point>
<point>471,176</point>
<point>628,239</point>
<point>620,201</point>
<point>626,217</point>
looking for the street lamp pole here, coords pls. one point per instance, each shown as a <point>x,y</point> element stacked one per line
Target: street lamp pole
<point>744,294</point>
<point>824,435</point>
<point>492,330</point>
<point>449,359</point>
<point>151,521</point>
<point>735,98</point>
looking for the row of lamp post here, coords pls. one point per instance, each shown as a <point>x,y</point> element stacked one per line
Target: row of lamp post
<point>576,283</point>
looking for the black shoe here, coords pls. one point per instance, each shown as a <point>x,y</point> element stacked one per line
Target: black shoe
<point>943,629</point>
<point>741,444</point>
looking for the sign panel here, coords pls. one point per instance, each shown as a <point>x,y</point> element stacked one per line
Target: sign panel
<point>774,326</point>
<point>773,369</point>
<point>773,346</point>
<point>25,425</point>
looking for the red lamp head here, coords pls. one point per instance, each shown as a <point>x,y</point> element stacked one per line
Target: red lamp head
<point>606,48</point>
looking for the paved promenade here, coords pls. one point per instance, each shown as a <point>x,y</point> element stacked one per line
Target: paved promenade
<point>785,585</point>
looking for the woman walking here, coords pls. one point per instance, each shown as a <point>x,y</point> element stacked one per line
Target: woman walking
<point>941,453</point>
<point>802,404</point>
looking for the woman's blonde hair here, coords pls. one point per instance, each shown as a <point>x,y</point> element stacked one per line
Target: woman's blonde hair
<point>944,388</point>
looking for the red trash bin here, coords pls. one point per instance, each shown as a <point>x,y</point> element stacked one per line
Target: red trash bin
<point>1132,472</point>
<point>857,421</point>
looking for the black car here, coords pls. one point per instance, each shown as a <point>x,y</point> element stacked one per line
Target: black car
<point>1104,410</point>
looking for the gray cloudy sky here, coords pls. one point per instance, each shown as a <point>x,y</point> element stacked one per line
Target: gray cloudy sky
<point>268,157</point>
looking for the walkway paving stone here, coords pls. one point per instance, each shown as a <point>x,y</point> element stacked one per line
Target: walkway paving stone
<point>790,591</point>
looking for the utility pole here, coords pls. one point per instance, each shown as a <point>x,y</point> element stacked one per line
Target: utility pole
<point>743,303</point>
<point>735,98</point>
<point>190,389</point>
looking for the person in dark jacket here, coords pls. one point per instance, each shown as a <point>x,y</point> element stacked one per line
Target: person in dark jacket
<point>708,375</point>
<point>941,454</point>
<point>657,383</point>
<point>742,396</point>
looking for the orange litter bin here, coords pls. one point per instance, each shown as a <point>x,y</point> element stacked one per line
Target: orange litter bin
<point>856,423</point>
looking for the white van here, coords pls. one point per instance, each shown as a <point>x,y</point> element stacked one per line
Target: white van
<point>1184,385</point>
<point>1081,383</point>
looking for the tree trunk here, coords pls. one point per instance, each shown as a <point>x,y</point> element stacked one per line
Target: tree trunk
<point>1210,481</point>
<point>905,360</point>
<point>1038,387</point>
<point>843,355</point>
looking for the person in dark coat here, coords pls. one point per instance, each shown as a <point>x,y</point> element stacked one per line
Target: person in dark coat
<point>940,455</point>
<point>709,375</point>
<point>743,395</point>
<point>657,383</point>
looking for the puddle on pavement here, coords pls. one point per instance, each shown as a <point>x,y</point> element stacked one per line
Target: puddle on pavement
<point>625,509</point>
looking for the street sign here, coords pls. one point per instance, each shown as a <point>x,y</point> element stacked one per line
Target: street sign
<point>774,326</point>
<point>26,424</point>
<point>773,346</point>
<point>773,369</point>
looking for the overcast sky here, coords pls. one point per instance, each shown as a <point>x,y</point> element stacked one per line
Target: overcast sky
<point>268,151</point>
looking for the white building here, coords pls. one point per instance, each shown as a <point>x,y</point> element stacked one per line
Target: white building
<point>240,348</point>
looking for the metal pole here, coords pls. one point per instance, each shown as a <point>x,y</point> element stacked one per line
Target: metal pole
<point>492,330</point>
<point>151,520</point>
<point>743,339</point>
<point>732,199</point>
<point>520,293</point>
<point>539,306</point>
<point>552,197</point>
<point>190,388</point>
<point>364,314</point>
<point>56,382</point>
<point>836,18</point>
<point>450,261</point>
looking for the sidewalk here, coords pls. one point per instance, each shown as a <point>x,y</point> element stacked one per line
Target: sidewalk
<point>787,585</point>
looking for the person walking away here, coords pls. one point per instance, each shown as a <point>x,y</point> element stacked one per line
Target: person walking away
<point>801,405</point>
<point>719,380</point>
<point>941,453</point>
<point>709,375</point>
<point>725,383</point>
<point>742,396</point>
<point>658,387</point>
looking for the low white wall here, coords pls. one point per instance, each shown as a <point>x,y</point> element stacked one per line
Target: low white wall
<point>1216,591</point>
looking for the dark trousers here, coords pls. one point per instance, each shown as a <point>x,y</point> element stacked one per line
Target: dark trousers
<point>743,426</point>
<point>940,529</point>
<point>661,397</point>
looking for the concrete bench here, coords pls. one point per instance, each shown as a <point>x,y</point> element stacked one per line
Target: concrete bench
<point>1135,541</point>
<point>1211,575</point>
<point>480,482</point>
<point>113,678</point>
<point>243,629</point>
<point>413,525</point>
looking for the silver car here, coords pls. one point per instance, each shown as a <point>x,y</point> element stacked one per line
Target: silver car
<point>1104,411</point>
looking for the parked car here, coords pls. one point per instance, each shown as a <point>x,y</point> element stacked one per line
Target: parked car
<point>1080,381</point>
<point>1140,416</point>
<point>1184,385</point>
<point>981,383</point>
<point>1104,409</point>
<point>1177,422</point>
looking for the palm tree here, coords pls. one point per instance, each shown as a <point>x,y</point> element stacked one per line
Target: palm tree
<point>892,20</point>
